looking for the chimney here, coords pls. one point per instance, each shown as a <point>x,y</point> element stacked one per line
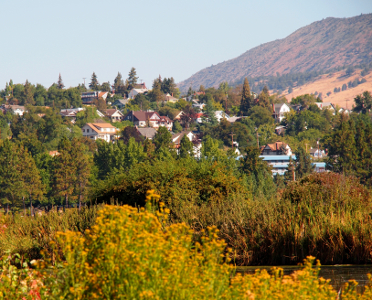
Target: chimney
<point>172,94</point>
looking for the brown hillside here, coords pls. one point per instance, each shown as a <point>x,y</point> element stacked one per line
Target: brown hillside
<point>321,45</point>
<point>327,82</point>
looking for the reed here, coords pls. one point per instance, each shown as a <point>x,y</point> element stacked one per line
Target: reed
<point>28,236</point>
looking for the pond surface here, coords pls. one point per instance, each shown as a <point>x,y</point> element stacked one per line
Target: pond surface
<point>339,274</point>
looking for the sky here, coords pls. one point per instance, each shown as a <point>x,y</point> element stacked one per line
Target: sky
<point>42,38</point>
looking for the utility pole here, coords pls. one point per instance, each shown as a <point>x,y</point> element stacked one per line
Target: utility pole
<point>232,140</point>
<point>84,80</point>
<point>306,146</point>
<point>347,102</point>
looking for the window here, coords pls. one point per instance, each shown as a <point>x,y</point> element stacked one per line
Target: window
<point>87,130</point>
<point>83,130</point>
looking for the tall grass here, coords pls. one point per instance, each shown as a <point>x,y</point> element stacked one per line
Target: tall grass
<point>28,236</point>
<point>328,216</point>
<point>129,254</point>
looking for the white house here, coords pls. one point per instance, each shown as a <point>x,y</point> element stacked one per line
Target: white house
<point>279,110</point>
<point>134,92</point>
<point>15,109</point>
<point>317,153</point>
<point>114,115</point>
<point>326,105</point>
<point>103,131</point>
<point>221,115</point>
<point>199,105</point>
<point>176,139</point>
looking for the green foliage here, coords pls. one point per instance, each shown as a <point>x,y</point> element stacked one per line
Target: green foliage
<point>132,78</point>
<point>303,163</point>
<point>260,116</point>
<point>94,85</point>
<point>258,172</point>
<point>363,103</point>
<point>177,127</point>
<point>246,101</point>
<point>186,147</point>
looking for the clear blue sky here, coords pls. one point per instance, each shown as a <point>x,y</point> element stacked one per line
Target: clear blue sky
<point>42,38</point>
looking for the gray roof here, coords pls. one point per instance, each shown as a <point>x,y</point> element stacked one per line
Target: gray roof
<point>147,132</point>
<point>121,101</point>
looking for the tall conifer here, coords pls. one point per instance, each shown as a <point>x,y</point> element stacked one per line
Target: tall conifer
<point>246,100</point>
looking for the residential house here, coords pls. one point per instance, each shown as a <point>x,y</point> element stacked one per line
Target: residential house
<point>178,116</point>
<point>120,103</point>
<point>344,110</point>
<point>146,132</point>
<point>104,131</point>
<point>89,97</point>
<point>326,105</point>
<point>277,148</point>
<point>280,130</point>
<point>15,109</point>
<point>148,119</point>
<point>198,105</point>
<point>176,139</point>
<point>70,113</point>
<point>221,115</point>
<point>317,153</point>
<point>134,92</point>
<point>198,117</point>
<point>170,98</point>
<point>114,115</point>
<point>234,119</point>
<point>279,110</point>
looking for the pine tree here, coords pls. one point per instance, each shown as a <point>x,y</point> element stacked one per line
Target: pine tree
<point>163,139</point>
<point>82,165</point>
<point>32,186</point>
<point>303,163</point>
<point>290,175</point>
<point>28,94</point>
<point>263,98</point>
<point>94,85</point>
<point>10,176</point>
<point>186,147</point>
<point>119,85</point>
<point>209,111</point>
<point>64,171</point>
<point>60,84</point>
<point>342,151</point>
<point>132,78</point>
<point>246,100</point>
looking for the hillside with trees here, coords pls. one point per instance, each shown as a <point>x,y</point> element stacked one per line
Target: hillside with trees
<point>322,45</point>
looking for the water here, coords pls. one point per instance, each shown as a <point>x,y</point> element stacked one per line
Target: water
<point>338,274</point>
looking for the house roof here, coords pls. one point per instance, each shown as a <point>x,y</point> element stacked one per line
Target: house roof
<point>122,101</point>
<point>169,97</point>
<point>103,125</point>
<point>142,115</point>
<point>54,153</point>
<point>147,132</point>
<point>276,146</point>
<point>94,128</point>
<point>111,111</point>
<point>176,138</point>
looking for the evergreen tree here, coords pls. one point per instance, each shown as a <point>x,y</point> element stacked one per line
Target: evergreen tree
<point>186,147</point>
<point>246,99</point>
<point>341,144</point>
<point>60,84</point>
<point>209,111</point>
<point>263,98</point>
<point>10,177</point>
<point>119,85</point>
<point>28,94</point>
<point>303,163</point>
<point>64,171</point>
<point>94,85</point>
<point>177,127</point>
<point>32,186</point>
<point>290,175</point>
<point>363,145</point>
<point>163,139</point>
<point>132,78</point>
<point>82,165</point>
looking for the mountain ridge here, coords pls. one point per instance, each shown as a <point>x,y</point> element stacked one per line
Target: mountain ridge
<point>323,44</point>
